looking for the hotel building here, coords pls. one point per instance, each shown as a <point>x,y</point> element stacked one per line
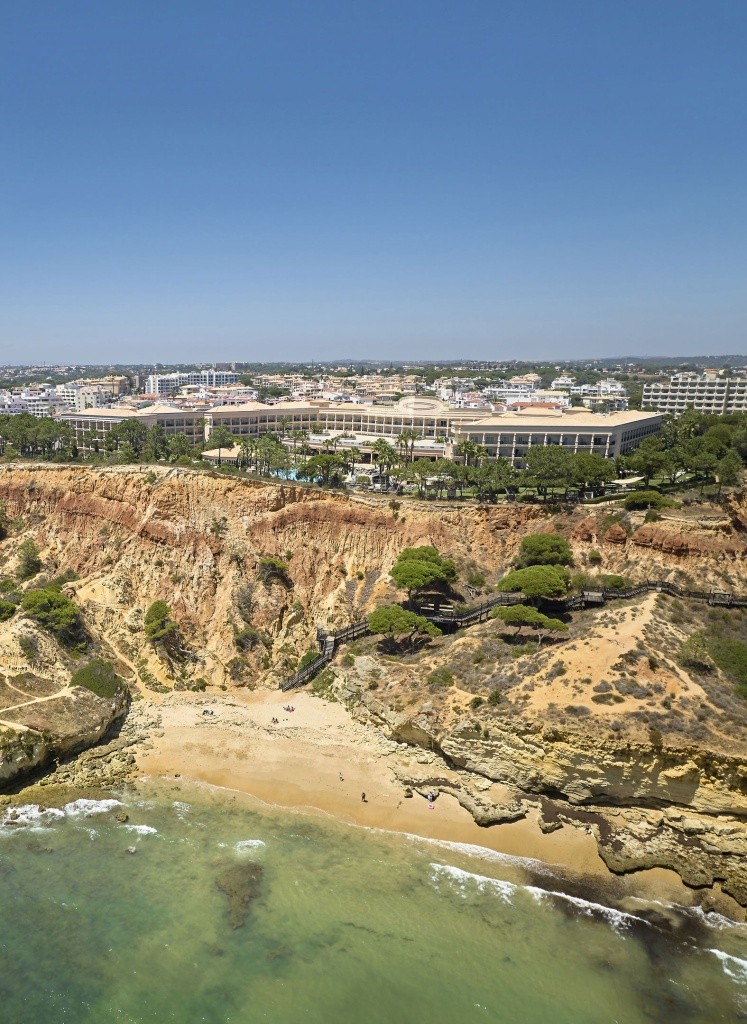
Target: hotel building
<point>439,425</point>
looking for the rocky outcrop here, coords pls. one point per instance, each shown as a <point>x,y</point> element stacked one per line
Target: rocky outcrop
<point>683,544</point>
<point>586,768</point>
<point>55,729</point>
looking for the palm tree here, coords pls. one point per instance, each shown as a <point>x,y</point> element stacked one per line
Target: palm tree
<point>385,456</point>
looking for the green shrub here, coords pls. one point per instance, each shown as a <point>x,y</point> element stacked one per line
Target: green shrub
<point>495,697</point>
<point>476,579</point>
<point>29,646</point>
<point>441,677</point>
<point>159,628</point>
<point>476,703</point>
<point>521,649</point>
<point>614,582</point>
<point>594,557</point>
<point>695,653</point>
<point>29,563</point>
<point>247,639</point>
<point>99,677</point>
<point>648,499</point>
<point>57,613</point>
<point>307,658</point>
<point>323,682</point>
<point>58,582</point>
<point>730,656</point>
<point>544,549</point>
<point>274,569</point>
<point>7,609</point>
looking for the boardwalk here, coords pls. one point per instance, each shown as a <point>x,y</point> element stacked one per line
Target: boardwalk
<point>448,619</point>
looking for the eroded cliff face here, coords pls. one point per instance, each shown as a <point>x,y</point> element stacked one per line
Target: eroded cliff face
<point>194,539</point>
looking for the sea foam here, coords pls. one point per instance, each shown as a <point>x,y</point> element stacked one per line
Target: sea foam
<point>32,816</point>
<point>617,918</point>
<point>734,966</point>
<point>142,830</point>
<point>463,880</point>
<point>248,845</point>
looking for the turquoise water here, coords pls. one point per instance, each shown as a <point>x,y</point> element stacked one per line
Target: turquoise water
<point>349,925</point>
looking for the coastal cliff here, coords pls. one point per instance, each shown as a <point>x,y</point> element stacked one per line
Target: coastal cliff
<point>606,731</point>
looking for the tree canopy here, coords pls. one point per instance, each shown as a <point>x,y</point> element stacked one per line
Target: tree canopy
<point>159,627</point>
<point>421,567</point>
<point>538,581</point>
<point>396,625</point>
<point>545,549</point>
<point>56,612</point>
<point>520,615</point>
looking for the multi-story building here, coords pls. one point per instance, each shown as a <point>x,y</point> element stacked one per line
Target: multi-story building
<point>437,424</point>
<point>169,383</point>
<point>705,393</point>
<point>512,434</point>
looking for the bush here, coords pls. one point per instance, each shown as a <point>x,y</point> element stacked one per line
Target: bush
<point>307,658</point>
<point>30,647</point>
<point>495,697</point>
<point>247,639</point>
<point>476,579</point>
<point>731,658</point>
<point>595,558</point>
<point>613,582</point>
<point>7,609</point>
<point>476,703</point>
<point>323,682</point>
<point>695,654</point>
<point>538,581</point>
<point>274,569</point>
<point>99,677</point>
<point>245,602</point>
<point>648,499</point>
<point>159,628</point>
<point>441,677</point>
<point>544,549</point>
<point>56,612</point>
<point>29,563</point>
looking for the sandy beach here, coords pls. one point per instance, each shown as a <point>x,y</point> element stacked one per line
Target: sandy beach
<point>318,759</point>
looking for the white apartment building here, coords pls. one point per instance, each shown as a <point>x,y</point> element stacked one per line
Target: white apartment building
<point>168,383</point>
<point>705,393</point>
<point>81,398</point>
<point>508,434</point>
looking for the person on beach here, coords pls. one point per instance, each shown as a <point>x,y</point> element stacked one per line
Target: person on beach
<point>363,798</point>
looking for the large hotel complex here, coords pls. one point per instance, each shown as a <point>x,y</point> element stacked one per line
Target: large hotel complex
<point>439,426</point>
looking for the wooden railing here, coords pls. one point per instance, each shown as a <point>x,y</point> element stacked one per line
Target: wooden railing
<point>448,617</point>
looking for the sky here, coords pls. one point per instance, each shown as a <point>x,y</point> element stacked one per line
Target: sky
<point>405,179</point>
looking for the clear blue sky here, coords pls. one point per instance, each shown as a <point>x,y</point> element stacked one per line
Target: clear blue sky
<point>234,179</point>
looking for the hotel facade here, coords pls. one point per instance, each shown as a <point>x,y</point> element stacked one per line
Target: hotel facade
<point>439,426</point>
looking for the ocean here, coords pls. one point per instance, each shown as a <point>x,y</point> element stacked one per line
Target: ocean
<point>229,914</point>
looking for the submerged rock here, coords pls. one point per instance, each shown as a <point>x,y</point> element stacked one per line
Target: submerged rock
<point>240,883</point>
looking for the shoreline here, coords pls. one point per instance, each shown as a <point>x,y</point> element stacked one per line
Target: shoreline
<point>318,760</point>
